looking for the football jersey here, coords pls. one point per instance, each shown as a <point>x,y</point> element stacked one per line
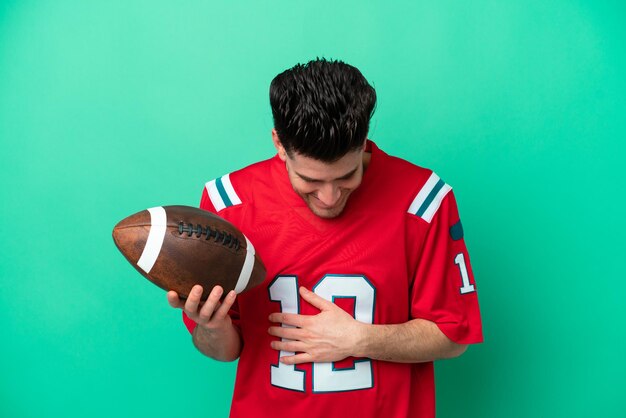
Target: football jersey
<point>395,253</point>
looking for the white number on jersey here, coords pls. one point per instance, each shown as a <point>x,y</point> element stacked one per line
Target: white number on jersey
<point>459,260</point>
<point>284,289</point>
<point>326,378</point>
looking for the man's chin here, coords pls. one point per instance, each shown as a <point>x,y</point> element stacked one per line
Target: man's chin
<point>326,213</point>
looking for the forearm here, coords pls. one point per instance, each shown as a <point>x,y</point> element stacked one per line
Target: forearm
<point>415,341</point>
<point>221,344</point>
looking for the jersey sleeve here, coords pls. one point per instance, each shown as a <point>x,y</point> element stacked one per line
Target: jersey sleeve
<point>444,290</point>
<point>206,203</point>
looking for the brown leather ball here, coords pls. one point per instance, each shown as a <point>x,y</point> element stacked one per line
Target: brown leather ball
<point>176,247</point>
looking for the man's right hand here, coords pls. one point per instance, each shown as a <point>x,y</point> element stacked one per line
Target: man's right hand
<point>211,314</point>
<point>215,335</point>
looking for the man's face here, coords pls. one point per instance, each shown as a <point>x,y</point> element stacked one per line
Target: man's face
<point>325,187</point>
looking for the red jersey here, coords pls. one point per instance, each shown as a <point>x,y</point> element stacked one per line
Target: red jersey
<point>395,253</point>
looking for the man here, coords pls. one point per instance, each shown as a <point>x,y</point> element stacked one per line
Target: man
<point>368,278</point>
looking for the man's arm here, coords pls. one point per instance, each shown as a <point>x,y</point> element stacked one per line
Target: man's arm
<point>333,335</point>
<point>215,334</point>
<point>415,341</point>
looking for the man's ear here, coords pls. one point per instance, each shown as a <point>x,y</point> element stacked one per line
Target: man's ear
<point>282,154</point>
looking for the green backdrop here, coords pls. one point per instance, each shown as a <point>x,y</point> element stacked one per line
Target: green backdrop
<point>110,107</point>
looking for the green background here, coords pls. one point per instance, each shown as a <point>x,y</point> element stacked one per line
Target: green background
<point>110,107</point>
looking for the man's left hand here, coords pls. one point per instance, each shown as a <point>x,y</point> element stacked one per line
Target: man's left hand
<point>331,335</point>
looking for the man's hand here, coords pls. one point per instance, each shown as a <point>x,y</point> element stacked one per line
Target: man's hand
<point>331,335</point>
<point>215,335</point>
<point>211,315</point>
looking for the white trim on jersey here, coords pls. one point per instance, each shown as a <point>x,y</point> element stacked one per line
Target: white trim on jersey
<point>423,193</point>
<point>214,195</point>
<point>158,225</point>
<point>436,203</point>
<point>429,198</point>
<point>222,193</point>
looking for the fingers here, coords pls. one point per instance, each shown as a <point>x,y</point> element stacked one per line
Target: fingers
<point>224,308</point>
<point>315,300</point>
<point>294,320</point>
<point>289,345</point>
<point>300,321</point>
<point>297,359</point>
<point>193,300</point>
<point>206,311</point>
<point>174,300</point>
<point>286,332</point>
<point>213,308</point>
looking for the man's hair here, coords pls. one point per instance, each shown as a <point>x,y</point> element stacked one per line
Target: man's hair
<point>322,109</point>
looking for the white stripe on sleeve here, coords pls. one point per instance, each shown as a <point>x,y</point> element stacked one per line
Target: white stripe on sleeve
<point>423,193</point>
<point>214,195</point>
<point>230,190</point>
<point>434,205</point>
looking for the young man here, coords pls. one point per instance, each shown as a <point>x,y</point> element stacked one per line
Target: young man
<point>368,278</point>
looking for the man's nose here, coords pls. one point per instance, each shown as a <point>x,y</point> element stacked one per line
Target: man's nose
<point>329,194</point>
